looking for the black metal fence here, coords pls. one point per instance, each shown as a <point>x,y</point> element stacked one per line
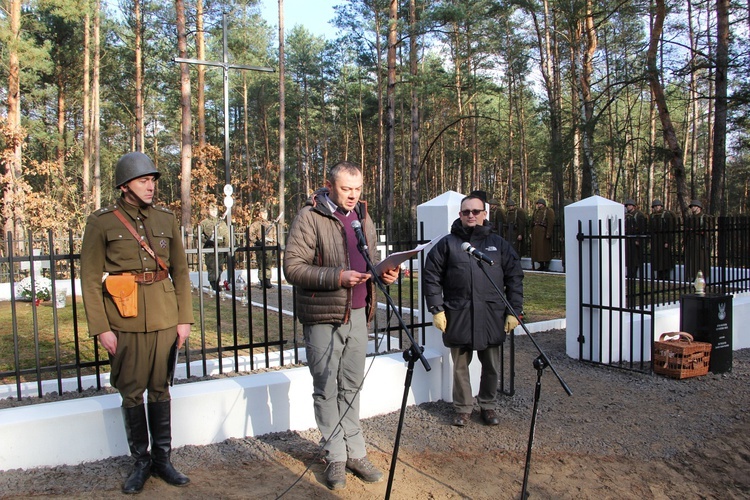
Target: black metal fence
<point>661,264</point>
<point>243,328</point>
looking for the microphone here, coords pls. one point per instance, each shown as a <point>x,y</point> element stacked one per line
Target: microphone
<point>466,247</point>
<point>357,226</point>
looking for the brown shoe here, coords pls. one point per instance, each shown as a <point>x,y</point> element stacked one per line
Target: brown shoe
<point>336,475</point>
<point>363,469</point>
<point>461,419</point>
<point>490,417</point>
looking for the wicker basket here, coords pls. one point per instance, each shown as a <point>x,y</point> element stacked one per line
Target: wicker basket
<point>681,358</point>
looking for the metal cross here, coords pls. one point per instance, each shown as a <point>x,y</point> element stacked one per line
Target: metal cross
<point>228,190</point>
<point>226,66</point>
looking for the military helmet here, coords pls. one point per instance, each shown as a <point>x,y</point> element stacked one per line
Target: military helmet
<point>542,201</point>
<point>629,201</point>
<point>133,165</point>
<point>696,203</point>
<point>657,203</point>
<point>511,202</point>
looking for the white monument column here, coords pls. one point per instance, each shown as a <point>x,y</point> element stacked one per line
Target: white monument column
<point>601,276</point>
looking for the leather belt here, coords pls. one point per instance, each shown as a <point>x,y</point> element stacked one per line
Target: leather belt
<point>149,277</point>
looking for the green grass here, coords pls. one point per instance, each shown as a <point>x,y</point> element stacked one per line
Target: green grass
<point>49,344</point>
<point>544,295</point>
<point>544,299</point>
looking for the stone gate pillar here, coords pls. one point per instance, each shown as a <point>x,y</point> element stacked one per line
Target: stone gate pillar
<point>594,275</point>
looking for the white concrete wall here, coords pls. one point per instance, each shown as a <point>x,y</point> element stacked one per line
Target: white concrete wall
<point>59,285</point>
<point>667,319</point>
<point>612,327</point>
<point>89,429</point>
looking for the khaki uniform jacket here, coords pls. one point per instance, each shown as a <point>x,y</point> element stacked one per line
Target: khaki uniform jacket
<point>515,225</point>
<point>698,235</point>
<point>542,222</point>
<point>222,232</point>
<point>662,226</point>
<point>108,247</point>
<point>255,232</point>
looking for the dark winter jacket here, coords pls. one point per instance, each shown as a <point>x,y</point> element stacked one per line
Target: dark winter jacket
<point>316,254</point>
<point>452,280</point>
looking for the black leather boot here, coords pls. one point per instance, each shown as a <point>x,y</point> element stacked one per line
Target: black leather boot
<point>267,283</point>
<point>160,422</point>
<point>136,430</point>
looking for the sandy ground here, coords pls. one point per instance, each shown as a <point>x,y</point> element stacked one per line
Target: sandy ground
<point>620,435</point>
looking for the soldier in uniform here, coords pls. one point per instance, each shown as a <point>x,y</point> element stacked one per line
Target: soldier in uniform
<point>635,227</point>
<point>662,225</point>
<point>260,228</point>
<point>542,221</point>
<point>698,232</point>
<point>497,217</point>
<point>514,226</point>
<point>141,340</point>
<point>215,233</point>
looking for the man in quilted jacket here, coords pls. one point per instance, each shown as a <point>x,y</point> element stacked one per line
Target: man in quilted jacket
<point>335,302</point>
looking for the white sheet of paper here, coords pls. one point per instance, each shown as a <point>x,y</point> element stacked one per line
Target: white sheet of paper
<point>395,259</point>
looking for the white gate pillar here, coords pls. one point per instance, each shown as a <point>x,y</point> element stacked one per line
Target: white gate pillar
<point>592,280</point>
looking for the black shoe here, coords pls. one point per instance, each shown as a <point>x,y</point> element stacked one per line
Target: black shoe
<point>137,478</point>
<point>268,283</point>
<point>136,430</point>
<point>461,419</point>
<point>169,474</point>
<point>490,417</point>
<point>160,423</point>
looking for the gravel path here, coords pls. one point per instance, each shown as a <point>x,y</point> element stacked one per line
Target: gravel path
<point>621,435</point>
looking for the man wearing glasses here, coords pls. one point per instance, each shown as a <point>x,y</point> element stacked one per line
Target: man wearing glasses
<point>467,308</point>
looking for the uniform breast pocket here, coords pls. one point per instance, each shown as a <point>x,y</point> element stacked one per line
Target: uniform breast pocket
<point>161,238</point>
<point>123,249</point>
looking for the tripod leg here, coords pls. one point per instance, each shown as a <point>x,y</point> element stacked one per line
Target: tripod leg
<point>540,364</point>
<point>410,357</point>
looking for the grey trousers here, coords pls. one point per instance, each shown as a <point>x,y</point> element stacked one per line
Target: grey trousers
<point>336,358</point>
<point>463,399</point>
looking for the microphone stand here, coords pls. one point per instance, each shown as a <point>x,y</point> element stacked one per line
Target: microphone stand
<point>410,356</point>
<point>540,363</point>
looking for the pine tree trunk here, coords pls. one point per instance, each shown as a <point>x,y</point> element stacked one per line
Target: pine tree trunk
<point>86,160</point>
<point>717,202</point>
<point>282,126</point>
<point>670,137</point>
<point>96,108</point>
<point>186,126</point>
<point>139,134</point>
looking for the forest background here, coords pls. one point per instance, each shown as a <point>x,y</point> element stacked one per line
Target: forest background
<point>522,98</point>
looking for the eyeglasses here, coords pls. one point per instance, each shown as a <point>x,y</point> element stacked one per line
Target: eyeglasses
<point>474,212</point>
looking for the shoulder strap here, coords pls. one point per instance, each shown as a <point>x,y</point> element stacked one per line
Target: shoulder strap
<point>139,239</point>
